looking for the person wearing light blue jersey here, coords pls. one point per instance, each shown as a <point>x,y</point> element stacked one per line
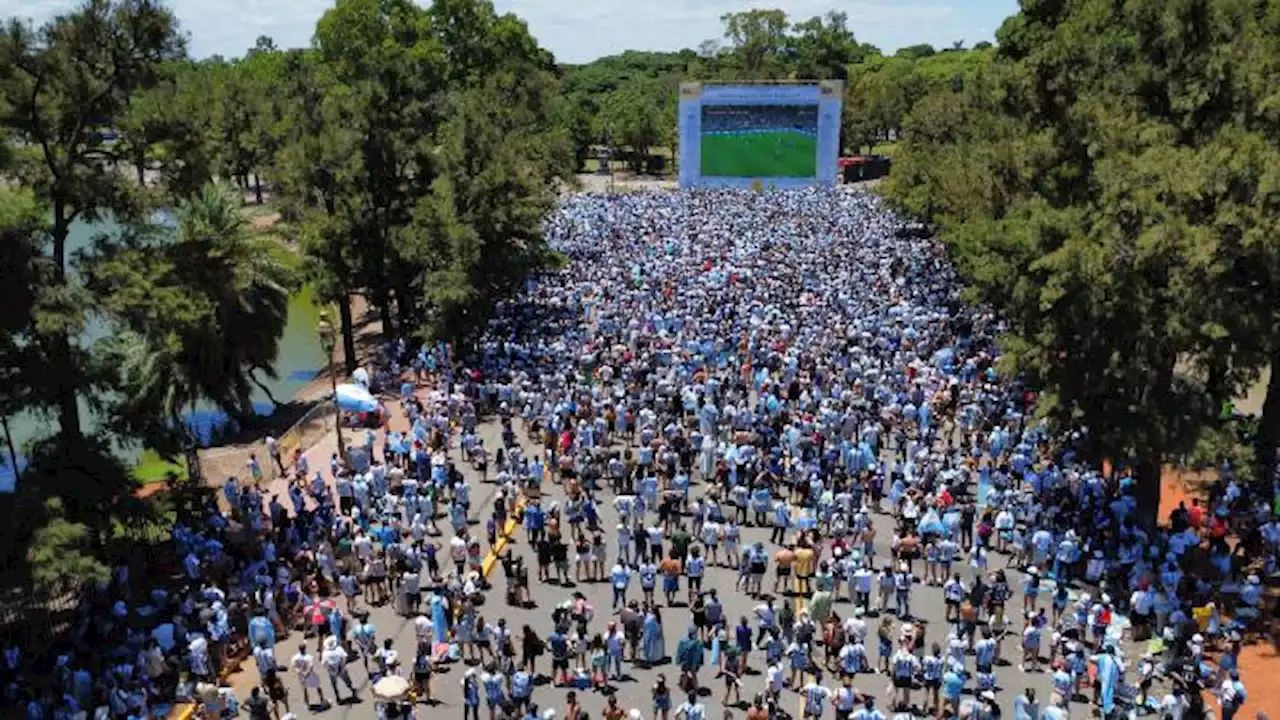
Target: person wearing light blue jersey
<point>619,579</point>
<point>868,711</point>
<point>781,522</point>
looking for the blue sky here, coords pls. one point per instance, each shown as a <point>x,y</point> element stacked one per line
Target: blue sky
<point>582,30</point>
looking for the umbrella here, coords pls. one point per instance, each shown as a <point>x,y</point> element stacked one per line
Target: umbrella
<point>354,398</point>
<point>391,687</point>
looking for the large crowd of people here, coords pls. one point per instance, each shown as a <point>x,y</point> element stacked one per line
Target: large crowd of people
<point>768,118</point>
<point>711,367</point>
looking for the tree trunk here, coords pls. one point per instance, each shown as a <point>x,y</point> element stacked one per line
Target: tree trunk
<point>13,453</point>
<point>140,167</point>
<point>1268,439</point>
<point>404,303</point>
<point>1147,477</point>
<point>65,381</point>
<point>253,375</point>
<point>383,300</point>
<point>348,333</point>
<point>257,188</point>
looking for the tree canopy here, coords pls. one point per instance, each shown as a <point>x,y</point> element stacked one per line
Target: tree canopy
<point>412,150</point>
<point>1105,183</point>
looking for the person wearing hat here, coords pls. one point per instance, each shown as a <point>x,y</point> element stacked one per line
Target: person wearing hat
<point>334,658</point>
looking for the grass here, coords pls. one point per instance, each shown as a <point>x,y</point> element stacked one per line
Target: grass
<point>152,468</point>
<point>760,155</point>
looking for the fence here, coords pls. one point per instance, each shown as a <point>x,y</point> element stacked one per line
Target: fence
<point>219,464</point>
<point>304,433</point>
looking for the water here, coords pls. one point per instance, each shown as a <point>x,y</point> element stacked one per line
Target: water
<point>299,360</point>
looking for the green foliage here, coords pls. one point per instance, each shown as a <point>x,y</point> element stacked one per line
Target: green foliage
<point>60,554</point>
<point>201,314</point>
<point>479,229</point>
<point>61,86</point>
<point>639,115</point>
<point>882,91</point>
<point>1107,184</point>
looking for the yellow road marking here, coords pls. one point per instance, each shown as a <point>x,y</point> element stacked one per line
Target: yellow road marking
<point>504,538</point>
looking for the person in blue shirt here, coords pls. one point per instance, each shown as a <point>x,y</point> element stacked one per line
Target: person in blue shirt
<point>781,521</point>
<point>868,711</point>
<point>620,577</point>
<point>534,521</point>
<point>521,688</point>
<point>1025,706</point>
<point>952,688</point>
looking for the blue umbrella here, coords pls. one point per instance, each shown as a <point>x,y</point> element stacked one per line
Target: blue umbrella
<point>353,398</point>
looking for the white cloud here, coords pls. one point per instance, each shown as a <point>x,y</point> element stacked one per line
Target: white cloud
<point>580,30</point>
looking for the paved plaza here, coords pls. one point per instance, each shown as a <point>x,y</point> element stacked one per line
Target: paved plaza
<point>633,690</point>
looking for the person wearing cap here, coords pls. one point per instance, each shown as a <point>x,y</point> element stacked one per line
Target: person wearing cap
<point>334,659</point>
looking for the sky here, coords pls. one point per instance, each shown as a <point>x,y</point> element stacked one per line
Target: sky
<point>579,31</point>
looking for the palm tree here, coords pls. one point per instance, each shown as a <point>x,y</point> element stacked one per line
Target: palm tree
<point>248,290</point>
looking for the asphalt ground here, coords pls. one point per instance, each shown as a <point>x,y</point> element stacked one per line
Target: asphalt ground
<point>633,689</point>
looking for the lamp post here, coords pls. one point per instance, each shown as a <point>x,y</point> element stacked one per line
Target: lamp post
<point>328,338</point>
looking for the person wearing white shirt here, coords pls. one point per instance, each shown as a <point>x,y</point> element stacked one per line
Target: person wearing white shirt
<point>1175,705</point>
<point>334,659</point>
<point>304,665</point>
<point>619,579</point>
<point>412,582</point>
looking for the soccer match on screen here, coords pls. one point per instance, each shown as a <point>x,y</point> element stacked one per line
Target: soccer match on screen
<point>759,141</point>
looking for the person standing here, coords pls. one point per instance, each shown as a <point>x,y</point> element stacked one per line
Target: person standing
<point>334,658</point>
<point>619,578</point>
<point>470,695</point>
<point>691,709</point>
<point>304,665</point>
<point>815,697</point>
<point>273,452</point>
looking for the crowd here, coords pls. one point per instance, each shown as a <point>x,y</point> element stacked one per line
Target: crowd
<point>740,119</point>
<point>713,366</point>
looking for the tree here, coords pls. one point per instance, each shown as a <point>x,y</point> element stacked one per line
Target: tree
<point>758,39</point>
<point>188,150</point>
<point>316,160</point>
<point>916,52</point>
<point>388,57</point>
<point>478,231</point>
<point>633,117</point>
<point>202,310</point>
<point>61,86</point>
<point>1107,189</point>
<point>823,48</point>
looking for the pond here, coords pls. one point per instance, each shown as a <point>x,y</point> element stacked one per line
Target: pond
<point>299,360</point>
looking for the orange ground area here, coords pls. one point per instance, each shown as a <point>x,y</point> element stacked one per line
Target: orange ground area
<point>1259,662</point>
